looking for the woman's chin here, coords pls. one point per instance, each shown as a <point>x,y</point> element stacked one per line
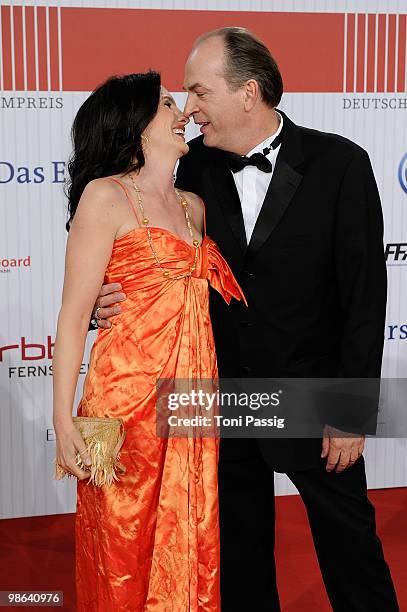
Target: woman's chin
<point>184,150</point>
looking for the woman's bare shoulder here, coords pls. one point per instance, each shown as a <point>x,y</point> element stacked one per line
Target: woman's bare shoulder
<point>101,201</point>
<point>104,188</point>
<point>193,199</point>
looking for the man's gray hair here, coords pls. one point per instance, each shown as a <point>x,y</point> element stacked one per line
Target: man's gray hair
<point>246,57</point>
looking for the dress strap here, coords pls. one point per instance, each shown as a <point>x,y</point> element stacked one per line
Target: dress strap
<point>204,213</point>
<point>128,198</point>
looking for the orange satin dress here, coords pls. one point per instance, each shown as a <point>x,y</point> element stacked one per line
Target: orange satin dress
<point>150,542</point>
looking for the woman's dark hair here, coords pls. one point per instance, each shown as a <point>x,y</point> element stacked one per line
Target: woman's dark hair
<point>246,57</point>
<point>106,132</point>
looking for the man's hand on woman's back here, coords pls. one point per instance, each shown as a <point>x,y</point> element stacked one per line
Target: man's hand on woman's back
<point>108,304</point>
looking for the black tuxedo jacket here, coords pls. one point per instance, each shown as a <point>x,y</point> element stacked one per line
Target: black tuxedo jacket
<point>314,272</point>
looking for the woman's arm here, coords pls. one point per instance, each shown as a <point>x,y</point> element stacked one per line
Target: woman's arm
<point>88,252</point>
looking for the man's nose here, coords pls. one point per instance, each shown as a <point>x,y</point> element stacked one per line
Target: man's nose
<point>190,106</point>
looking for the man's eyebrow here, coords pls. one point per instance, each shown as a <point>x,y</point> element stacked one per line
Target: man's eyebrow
<point>194,86</point>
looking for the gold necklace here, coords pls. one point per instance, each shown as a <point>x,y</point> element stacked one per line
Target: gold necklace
<point>146,222</point>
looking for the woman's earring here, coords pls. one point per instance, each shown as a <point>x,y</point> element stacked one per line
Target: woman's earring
<point>145,139</point>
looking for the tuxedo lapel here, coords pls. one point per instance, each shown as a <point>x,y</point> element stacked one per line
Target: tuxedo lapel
<point>283,185</point>
<point>224,191</point>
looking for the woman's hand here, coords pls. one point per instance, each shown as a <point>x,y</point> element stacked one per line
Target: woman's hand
<point>69,443</point>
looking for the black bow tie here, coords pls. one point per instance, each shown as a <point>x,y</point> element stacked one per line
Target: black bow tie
<point>238,162</point>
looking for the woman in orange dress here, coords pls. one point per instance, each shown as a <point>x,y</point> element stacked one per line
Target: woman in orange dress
<point>150,541</point>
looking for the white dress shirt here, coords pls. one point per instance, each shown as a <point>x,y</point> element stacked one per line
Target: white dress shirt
<point>252,183</point>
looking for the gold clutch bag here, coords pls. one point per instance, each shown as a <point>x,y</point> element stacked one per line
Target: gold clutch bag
<point>104,438</point>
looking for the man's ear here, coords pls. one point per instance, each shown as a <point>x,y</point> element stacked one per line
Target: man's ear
<point>251,94</point>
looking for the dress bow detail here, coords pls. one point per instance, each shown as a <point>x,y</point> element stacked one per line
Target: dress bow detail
<point>220,275</point>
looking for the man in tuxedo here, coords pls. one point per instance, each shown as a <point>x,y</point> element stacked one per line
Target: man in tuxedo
<point>297,215</point>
